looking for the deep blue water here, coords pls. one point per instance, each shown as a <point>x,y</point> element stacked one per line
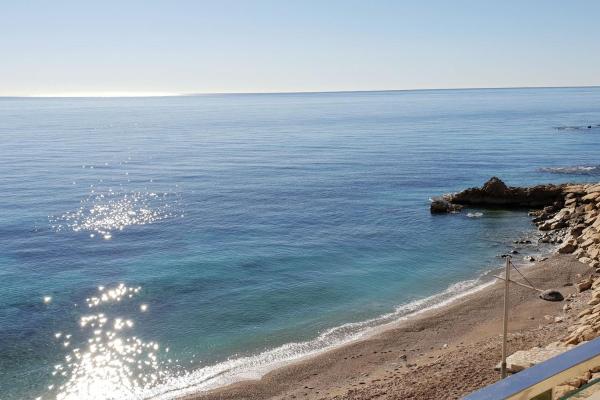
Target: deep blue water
<point>248,222</point>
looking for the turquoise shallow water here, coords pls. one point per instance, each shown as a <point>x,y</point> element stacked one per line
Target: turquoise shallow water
<point>249,229</point>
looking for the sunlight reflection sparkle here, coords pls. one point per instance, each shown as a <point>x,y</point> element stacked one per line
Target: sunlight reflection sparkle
<point>106,212</point>
<point>110,362</point>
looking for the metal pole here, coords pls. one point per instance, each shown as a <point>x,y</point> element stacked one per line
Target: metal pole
<point>505,321</point>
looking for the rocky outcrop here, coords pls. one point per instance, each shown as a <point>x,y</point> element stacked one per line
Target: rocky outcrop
<point>496,193</point>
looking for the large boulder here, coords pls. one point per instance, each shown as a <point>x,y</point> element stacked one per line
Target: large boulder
<point>523,359</point>
<point>568,247</point>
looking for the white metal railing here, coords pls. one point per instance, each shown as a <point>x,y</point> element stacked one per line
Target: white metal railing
<point>541,378</point>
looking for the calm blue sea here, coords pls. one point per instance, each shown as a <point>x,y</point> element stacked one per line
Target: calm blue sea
<point>155,244</point>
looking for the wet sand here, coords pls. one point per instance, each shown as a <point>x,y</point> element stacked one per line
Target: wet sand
<point>440,354</point>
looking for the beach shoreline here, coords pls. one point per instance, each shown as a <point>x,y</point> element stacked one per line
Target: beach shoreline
<point>457,343</point>
<point>453,347</point>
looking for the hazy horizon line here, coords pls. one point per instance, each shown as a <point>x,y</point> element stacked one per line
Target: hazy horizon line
<point>190,94</point>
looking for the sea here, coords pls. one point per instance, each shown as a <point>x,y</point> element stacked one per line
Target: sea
<point>157,246</point>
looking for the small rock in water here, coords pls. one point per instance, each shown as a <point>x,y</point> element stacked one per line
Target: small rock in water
<point>551,295</point>
<point>441,206</point>
<point>522,241</point>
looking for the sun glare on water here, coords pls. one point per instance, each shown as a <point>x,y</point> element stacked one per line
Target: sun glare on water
<point>103,213</point>
<point>107,361</point>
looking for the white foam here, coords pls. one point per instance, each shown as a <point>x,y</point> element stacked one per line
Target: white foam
<point>475,215</point>
<point>254,367</point>
<point>575,170</point>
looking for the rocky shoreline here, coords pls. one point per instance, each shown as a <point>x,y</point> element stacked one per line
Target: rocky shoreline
<point>576,226</point>
<point>568,215</point>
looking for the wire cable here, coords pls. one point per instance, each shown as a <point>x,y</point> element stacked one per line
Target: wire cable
<point>523,276</point>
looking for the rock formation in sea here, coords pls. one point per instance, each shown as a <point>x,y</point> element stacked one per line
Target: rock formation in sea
<point>496,193</point>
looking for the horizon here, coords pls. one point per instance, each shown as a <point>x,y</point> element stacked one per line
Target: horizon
<point>186,47</point>
<point>190,94</point>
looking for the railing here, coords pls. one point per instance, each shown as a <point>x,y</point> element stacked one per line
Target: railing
<point>541,378</point>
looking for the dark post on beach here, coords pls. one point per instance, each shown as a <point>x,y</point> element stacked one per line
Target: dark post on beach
<point>505,319</point>
<point>548,295</point>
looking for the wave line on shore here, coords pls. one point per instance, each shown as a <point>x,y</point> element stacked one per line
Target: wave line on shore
<point>254,367</point>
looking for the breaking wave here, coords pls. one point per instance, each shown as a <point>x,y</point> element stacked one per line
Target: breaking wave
<point>475,215</point>
<point>253,367</point>
<point>574,170</point>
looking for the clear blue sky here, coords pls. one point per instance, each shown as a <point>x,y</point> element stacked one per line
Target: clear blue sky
<point>180,46</point>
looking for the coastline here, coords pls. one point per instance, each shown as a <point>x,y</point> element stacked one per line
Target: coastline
<point>236,370</point>
<point>457,340</point>
<point>455,343</point>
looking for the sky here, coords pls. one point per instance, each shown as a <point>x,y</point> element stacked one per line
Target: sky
<point>185,46</point>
